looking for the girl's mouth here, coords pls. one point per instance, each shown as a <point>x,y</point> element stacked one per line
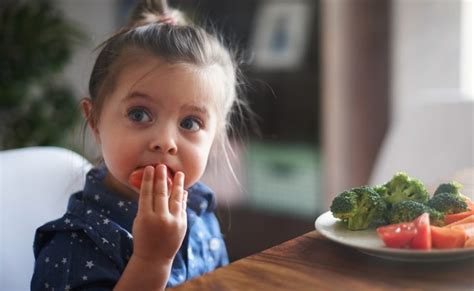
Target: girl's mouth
<point>136,177</point>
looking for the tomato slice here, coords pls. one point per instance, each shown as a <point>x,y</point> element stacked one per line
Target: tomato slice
<point>397,235</point>
<point>136,178</point>
<point>422,239</point>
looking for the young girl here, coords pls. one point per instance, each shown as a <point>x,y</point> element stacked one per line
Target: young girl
<point>161,92</point>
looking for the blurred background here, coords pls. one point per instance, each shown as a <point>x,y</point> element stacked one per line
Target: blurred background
<point>346,93</point>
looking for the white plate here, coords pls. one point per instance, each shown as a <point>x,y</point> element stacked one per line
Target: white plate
<point>369,243</point>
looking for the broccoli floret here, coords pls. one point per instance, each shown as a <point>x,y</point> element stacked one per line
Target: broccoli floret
<point>408,210</point>
<point>344,205</point>
<point>436,217</point>
<point>359,208</point>
<point>451,187</point>
<point>402,187</point>
<point>381,190</point>
<point>405,211</point>
<point>448,203</point>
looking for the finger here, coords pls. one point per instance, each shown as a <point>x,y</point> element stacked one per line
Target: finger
<point>176,199</point>
<point>160,191</point>
<point>145,199</point>
<point>185,204</point>
<point>185,201</point>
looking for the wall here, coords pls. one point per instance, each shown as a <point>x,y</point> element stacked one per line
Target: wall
<point>431,130</point>
<point>355,72</point>
<point>97,19</point>
<point>426,50</point>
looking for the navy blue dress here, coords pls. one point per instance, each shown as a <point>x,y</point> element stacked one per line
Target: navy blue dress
<point>89,247</point>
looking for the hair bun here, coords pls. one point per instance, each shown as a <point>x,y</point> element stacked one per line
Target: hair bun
<point>156,11</point>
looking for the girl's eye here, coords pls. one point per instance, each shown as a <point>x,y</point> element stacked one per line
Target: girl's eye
<point>191,124</point>
<point>139,115</point>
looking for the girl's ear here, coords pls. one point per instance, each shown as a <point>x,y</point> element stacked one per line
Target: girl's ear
<point>87,107</point>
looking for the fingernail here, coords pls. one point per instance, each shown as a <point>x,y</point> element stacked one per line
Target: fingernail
<point>149,170</point>
<point>181,178</point>
<point>163,170</point>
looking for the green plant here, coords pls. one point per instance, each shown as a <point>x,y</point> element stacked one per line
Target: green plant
<point>36,42</point>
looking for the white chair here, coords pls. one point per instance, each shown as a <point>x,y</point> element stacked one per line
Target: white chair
<point>35,185</point>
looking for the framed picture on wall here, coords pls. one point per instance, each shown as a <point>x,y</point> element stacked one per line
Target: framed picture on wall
<point>281,34</point>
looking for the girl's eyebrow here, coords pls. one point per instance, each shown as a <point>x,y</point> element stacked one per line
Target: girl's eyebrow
<point>195,108</point>
<point>136,94</point>
<point>186,107</point>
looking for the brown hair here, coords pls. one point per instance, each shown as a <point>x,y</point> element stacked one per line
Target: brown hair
<point>156,29</point>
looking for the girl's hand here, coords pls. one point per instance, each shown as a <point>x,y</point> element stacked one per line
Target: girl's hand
<point>160,224</point>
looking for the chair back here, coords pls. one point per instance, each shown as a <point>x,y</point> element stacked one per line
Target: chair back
<point>35,185</point>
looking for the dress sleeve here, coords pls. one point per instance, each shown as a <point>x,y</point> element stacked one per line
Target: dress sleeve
<point>70,260</point>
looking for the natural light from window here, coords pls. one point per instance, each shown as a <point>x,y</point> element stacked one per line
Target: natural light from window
<point>467,47</point>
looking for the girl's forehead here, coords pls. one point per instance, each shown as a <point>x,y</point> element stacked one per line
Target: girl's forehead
<point>179,81</point>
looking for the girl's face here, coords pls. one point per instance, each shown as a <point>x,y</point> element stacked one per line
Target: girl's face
<point>158,113</point>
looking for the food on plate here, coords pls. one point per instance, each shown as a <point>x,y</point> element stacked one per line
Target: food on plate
<point>405,216</point>
<point>467,219</point>
<point>359,208</point>
<point>397,235</point>
<point>447,238</point>
<point>402,199</point>
<point>408,210</point>
<point>450,218</point>
<point>452,187</point>
<point>469,243</point>
<point>419,234</point>
<point>448,203</point>
<point>415,234</point>
<point>422,239</point>
<point>402,187</point>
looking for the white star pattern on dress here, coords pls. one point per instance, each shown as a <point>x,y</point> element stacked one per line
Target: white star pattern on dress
<point>121,204</point>
<point>46,285</point>
<point>89,211</point>
<point>67,221</point>
<point>73,235</point>
<point>214,244</point>
<point>106,221</point>
<point>96,197</point>
<point>64,261</point>
<point>84,278</point>
<point>190,254</point>
<point>67,288</point>
<point>104,240</point>
<point>46,260</point>
<point>89,264</point>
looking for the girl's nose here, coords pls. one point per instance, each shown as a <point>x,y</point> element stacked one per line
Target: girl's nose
<point>165,143</point>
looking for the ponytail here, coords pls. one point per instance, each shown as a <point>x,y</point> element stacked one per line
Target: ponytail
<point>156,11</point>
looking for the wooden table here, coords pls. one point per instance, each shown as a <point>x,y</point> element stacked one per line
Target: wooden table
<point>311,262</point>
